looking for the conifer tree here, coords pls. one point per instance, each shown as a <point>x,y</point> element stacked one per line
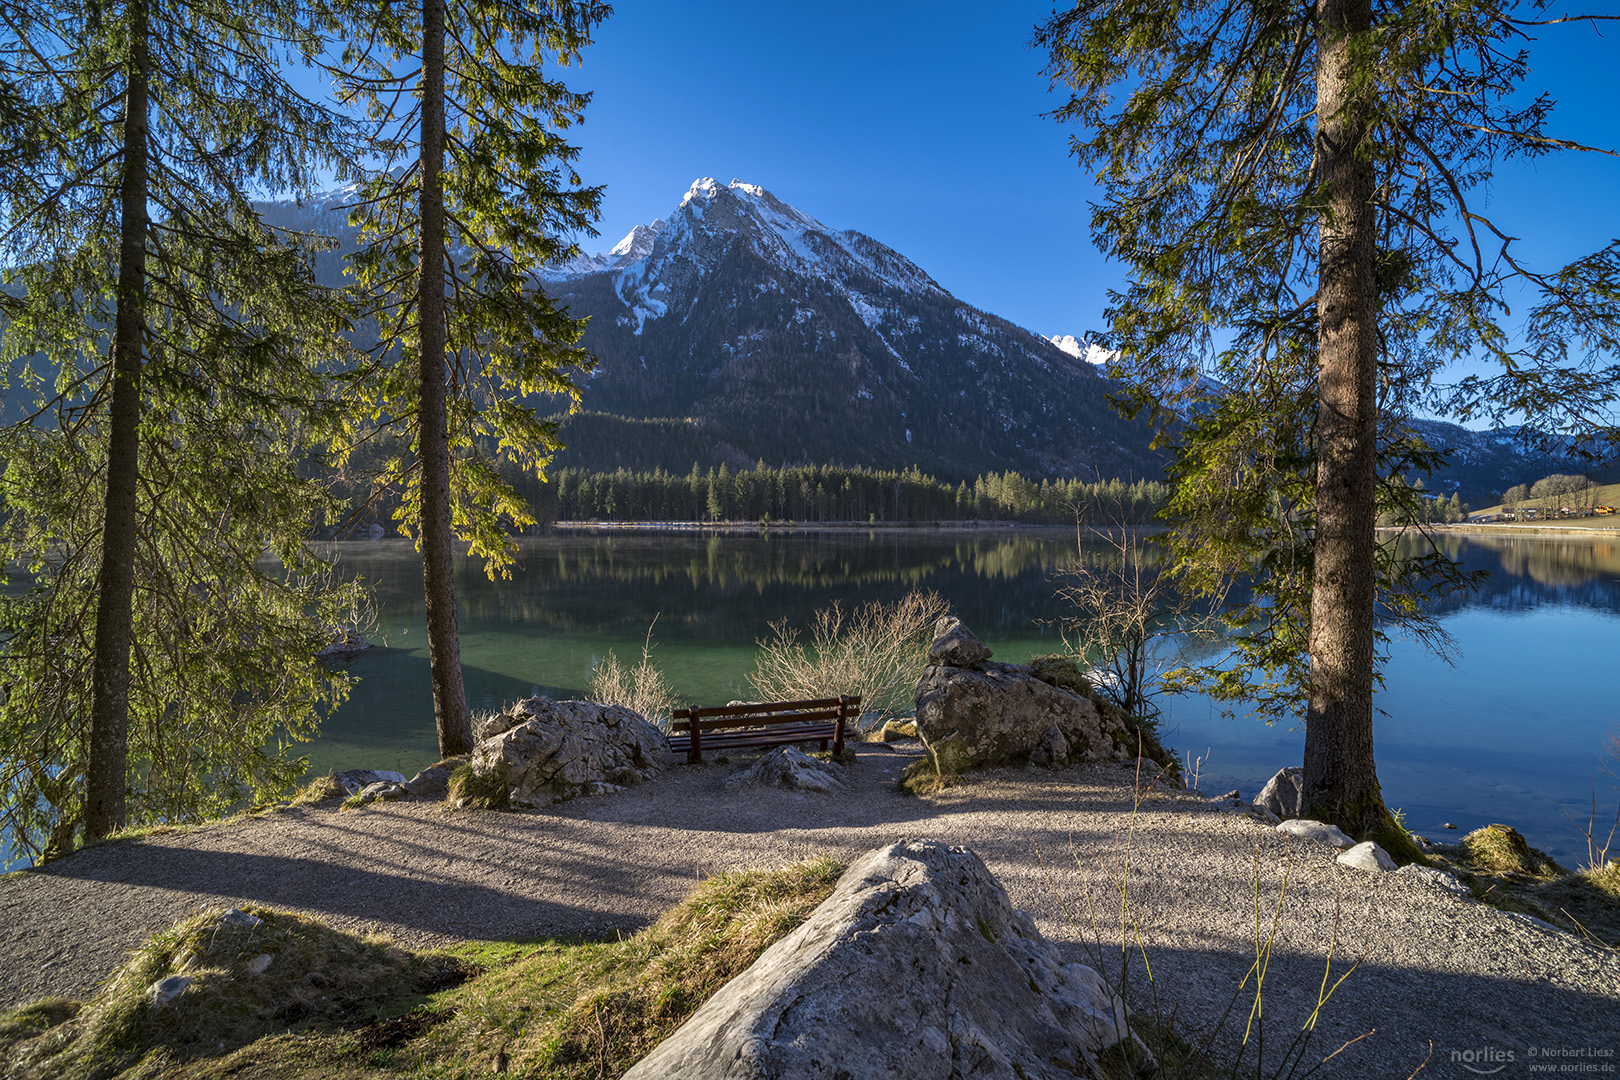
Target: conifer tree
<point>476,190</point>
<point>170,350</point>
<point>1295,189</point>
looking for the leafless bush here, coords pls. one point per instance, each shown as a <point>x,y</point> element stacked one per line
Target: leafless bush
<point>876,650</point>
<point>642,688</point>
<point>1126,618</point>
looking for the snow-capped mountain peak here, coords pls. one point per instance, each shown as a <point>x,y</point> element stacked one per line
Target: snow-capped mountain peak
<point>637,243</point>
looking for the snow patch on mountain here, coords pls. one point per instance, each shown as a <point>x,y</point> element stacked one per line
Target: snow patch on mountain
<point>1081,349</point>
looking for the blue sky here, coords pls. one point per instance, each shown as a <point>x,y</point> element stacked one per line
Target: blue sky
<point>920,125</point>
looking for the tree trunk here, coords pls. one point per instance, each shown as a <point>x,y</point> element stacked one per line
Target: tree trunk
<point>105,779</point>
<point>1341,783</point>
<point>438,556</point>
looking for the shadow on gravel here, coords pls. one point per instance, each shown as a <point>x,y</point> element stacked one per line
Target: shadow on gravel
<point>1387,1014</point>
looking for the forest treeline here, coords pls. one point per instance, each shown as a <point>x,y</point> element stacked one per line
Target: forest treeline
<point>818,493</point>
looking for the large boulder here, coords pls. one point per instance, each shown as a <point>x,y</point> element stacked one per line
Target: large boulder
<point>916,965</point>
<point>1002,714</point>
<point>542,751</point>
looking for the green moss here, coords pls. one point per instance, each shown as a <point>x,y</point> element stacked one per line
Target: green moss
<point>482,791</point>
<point>1500,850</point>
<point>923,777</point>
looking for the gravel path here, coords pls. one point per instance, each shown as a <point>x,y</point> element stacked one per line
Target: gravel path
<point>1476,983</point>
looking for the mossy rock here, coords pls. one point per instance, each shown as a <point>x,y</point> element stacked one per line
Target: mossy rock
<point>231,981</point>
<point>1501,850</point>
<point>1062,670</point>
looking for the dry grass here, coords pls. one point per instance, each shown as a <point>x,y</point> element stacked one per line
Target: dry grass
<point>641,689</point>
<point>875,651</point>
<point>1500,850</point>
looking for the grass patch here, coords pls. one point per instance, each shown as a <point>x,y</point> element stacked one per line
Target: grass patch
<point>333,1004</point>
<point>1507,873</point>
<point>923,777</point>
<point>480,792</point>
<point>1501,851</point>
<point>315,976</point>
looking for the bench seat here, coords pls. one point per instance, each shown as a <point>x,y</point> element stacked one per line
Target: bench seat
<point>765,723</point>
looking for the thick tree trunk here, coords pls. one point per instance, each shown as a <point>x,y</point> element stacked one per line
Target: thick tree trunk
<point>438,555</point>
<point>105,775</point>
<point>1341,784</point>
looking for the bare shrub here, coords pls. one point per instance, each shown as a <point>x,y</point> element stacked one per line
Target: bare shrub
<point>642,688</point>
<point>876,650</point>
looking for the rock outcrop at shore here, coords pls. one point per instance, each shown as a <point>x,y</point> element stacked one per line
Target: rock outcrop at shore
<point>973,712</point>
<point>540,751</point>
<point>983,994</point>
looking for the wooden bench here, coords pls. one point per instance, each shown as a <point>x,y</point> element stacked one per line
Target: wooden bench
<point>765,723</point>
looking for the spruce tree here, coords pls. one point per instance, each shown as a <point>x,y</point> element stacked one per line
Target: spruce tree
<point>1296,191</point>
<point>476,189</point>
<point>169,353</point>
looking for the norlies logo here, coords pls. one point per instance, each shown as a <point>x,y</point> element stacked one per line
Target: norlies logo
<point>1484,1061</point>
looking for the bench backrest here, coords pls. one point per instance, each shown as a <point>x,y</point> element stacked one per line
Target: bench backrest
<point>765,713</point>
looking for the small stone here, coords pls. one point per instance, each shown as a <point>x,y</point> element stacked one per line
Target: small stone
<point>1284,794</point>
<point>1254,813</point>
<point>1235,795</point>
<point>789,767</point>
<point>895,730</point>
<point>166,990</point>
<point>383,791</point>
<point>259,964</point>
<point>354,781</point>
<point>1439,879</point>
<point>1306,829</point>
<point>240,919</point>
<point>1448,825</point>
<point>431,783</point>
<point>1368,856</point>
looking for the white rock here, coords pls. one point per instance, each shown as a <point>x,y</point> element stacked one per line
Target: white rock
<point>259,964</point>
<point>1284,794</point>
<point>789,767</point>
<point>1253,813</point>
<point>240,919</point>
<point>354,781</point>
<point>1439,879</point>
<point>166,990</point>
<point>546,751</point>
<point>915,966</point>
<point>1306,829</point>
<point>1368,856</point>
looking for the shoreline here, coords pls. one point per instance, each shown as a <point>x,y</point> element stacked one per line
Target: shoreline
<point>1593,531</point>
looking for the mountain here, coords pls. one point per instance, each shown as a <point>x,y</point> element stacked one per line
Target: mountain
<point>776,337</point>
<point>740,328</point>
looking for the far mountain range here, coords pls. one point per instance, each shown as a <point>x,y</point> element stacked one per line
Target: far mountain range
<point>741,329</point>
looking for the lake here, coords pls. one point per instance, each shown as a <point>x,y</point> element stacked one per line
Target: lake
<point>1512,733</point>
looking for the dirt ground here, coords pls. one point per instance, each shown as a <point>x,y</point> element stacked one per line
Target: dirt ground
<point>1435,970</point>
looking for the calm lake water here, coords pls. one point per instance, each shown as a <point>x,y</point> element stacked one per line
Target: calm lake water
<point>1513,732</point>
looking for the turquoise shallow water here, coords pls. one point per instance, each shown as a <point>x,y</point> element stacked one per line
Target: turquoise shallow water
<point>1511,732</point>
